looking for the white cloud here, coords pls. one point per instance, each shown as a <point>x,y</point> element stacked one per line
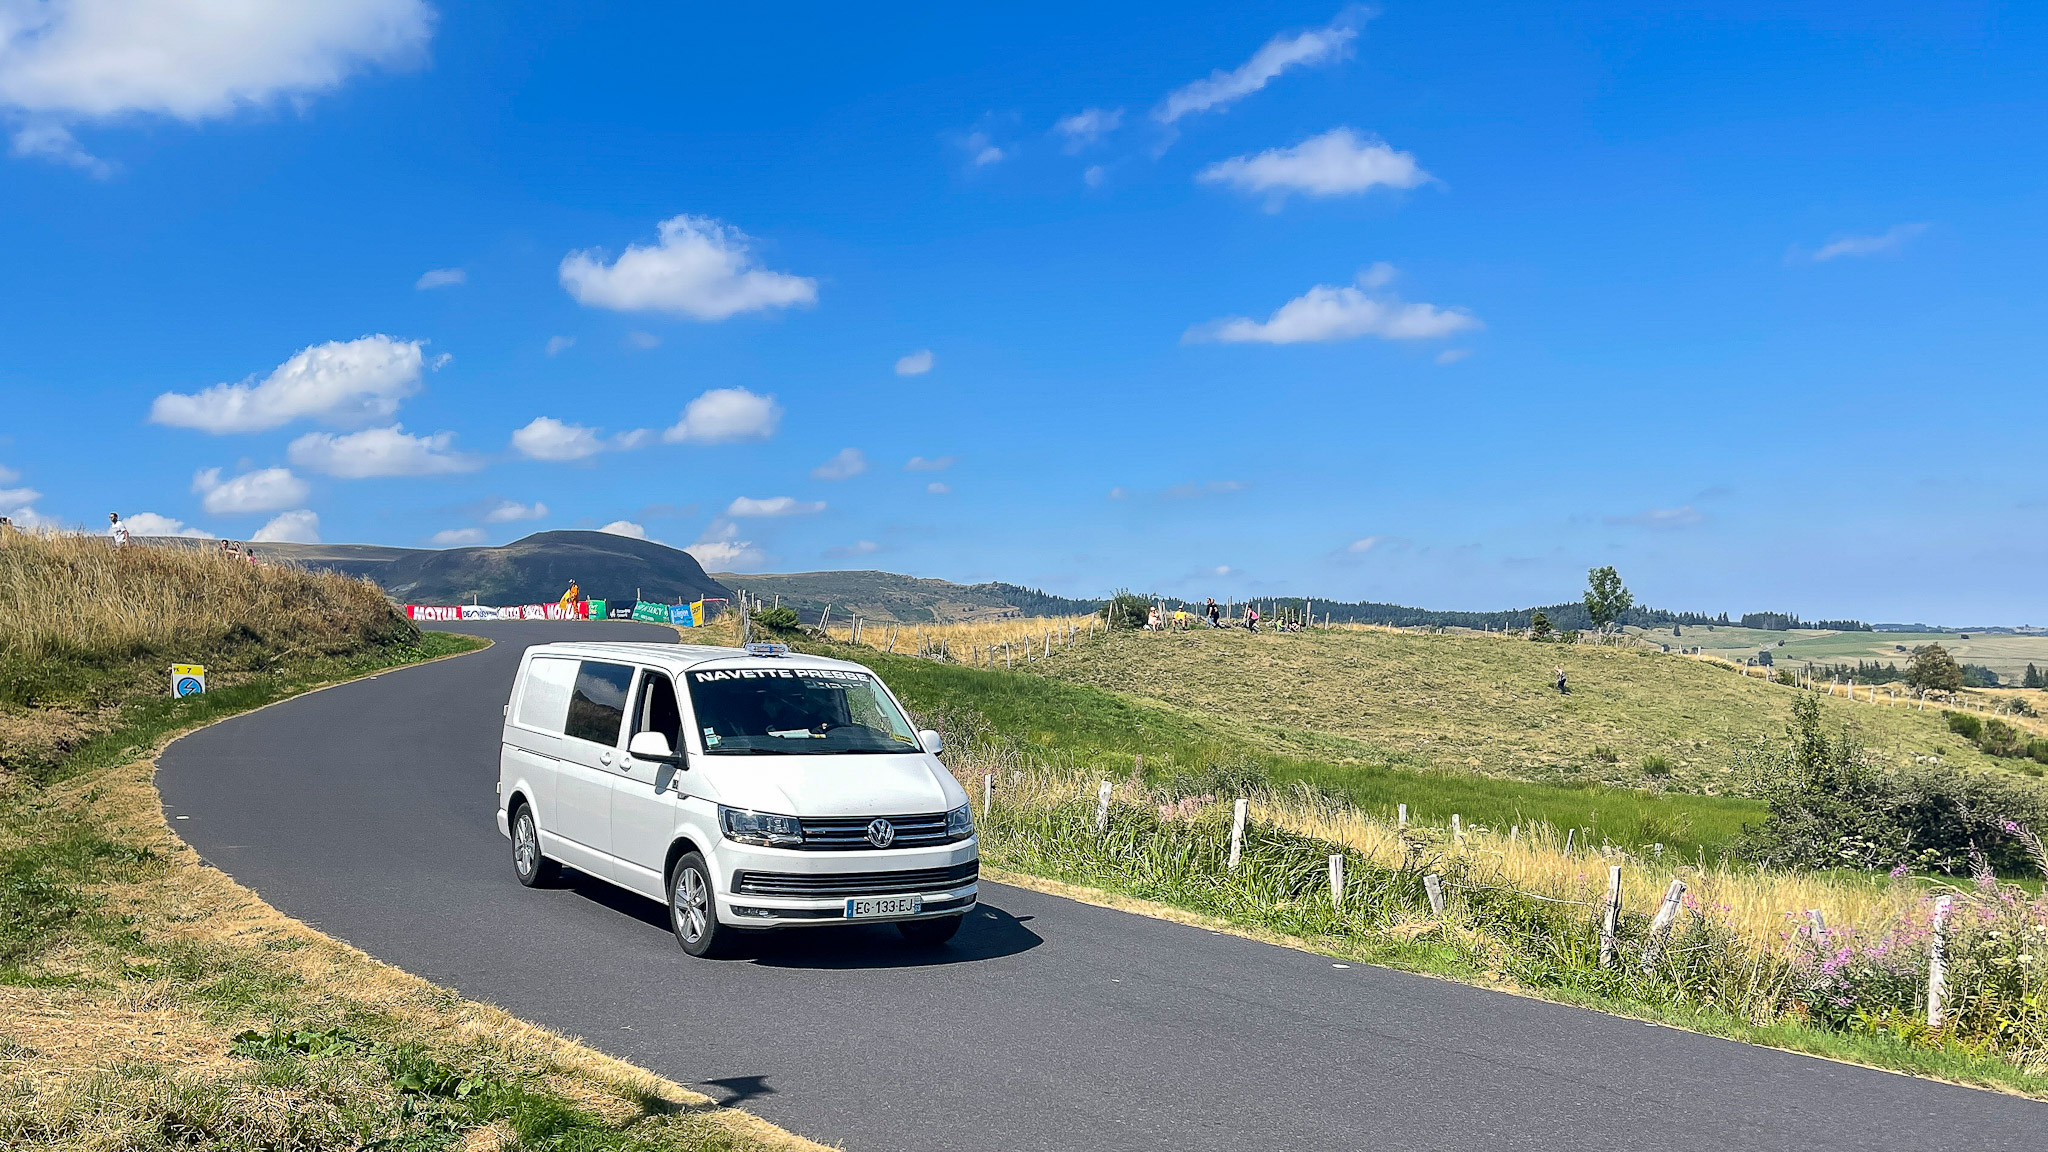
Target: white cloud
<point>55,143</point>
<point>342,381</point>
<point>720,548</point>
<point>1221,89</point>
<point>1683,516</point>
<point>1094,176</point>
<point>546,438</point>
<point>1452,355</point>
<point>1888,241</point>
<point>1365,544</point>
<point>642,340</point>
<point>300,527</point>
<point>74,61</point>
<point>1086,127</point>
<point>844,465</point>
<point>379,452</point>
<point>559,344</point>
<point>441,278</point>
<point>724,416</point>
<point>625,528</point>
<point>981,150</point>
<point>1119,493</point>
<point>935,464</point>
<point>1337,163</point>
<point>456,537</point>
<point>1340,312</point>
<point>938,488</point>
<point>151,524</point>
<point>916,364</point>
<point>857,548</point>
<point>8,475</point>
<point>700,268</point>
<point>267,490</point>
<point>774,506</point>
<point>508,511</point>
<point>1213,488</point>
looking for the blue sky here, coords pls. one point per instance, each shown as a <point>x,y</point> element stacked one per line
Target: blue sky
<point>1425,303</point>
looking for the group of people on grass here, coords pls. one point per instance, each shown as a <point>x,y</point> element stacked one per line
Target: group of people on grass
<point>117,531</point>
<point>1156,620</point>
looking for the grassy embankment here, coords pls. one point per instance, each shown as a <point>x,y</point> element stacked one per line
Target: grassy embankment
<point>149,1002</point>
<point>1736,963</point>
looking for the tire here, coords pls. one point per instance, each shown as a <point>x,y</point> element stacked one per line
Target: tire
<point>930,933</point>
<point>533,869</point>
<point>693,909</point>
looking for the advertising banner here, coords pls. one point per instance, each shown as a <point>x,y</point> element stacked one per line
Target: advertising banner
<point>689,615</point>
<point>433,612</point>
<point>651,613</point>
<point>593,609</point>
<point>620,611</point>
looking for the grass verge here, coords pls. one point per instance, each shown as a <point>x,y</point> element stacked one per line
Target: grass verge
<point>149,1002</point>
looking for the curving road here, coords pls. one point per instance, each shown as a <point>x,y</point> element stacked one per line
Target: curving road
<point>366,810</point>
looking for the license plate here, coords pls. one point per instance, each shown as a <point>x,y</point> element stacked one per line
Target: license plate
<point>861,908</point>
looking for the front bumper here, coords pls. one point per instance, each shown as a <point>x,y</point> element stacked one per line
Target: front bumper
<point>763,887</point>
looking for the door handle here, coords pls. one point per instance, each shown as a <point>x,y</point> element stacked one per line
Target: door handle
<point>604,757</point>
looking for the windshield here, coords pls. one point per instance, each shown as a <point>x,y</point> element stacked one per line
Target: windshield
<point>796,711</point>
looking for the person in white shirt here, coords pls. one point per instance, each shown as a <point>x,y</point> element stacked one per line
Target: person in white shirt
<point>117,530</point>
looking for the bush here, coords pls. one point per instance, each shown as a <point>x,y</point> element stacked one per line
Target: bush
<point>1605,754</point>
<point>777,619</point>
<point>1965,725</point>
<point>1127,610</point>
<point>1655,765</point>
<point>1830,807</point>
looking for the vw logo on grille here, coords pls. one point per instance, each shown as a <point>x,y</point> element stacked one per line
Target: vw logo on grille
<point>881,833</point>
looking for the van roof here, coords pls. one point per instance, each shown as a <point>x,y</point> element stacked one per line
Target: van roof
<point>684,656</point>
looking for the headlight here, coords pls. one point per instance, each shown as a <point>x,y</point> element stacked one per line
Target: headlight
<point>960,823</point>
<point>761,828</point>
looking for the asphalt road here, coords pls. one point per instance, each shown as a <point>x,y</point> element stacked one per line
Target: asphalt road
<point>366,810</point>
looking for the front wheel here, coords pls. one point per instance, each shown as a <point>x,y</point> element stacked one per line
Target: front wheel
<point>930,933</point>
<point>533,869</point>
<point>692,910</point>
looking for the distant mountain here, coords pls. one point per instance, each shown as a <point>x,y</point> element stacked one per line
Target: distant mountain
<point>533,570</point>
<point>886,596</point>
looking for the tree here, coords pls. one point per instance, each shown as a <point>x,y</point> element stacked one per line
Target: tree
<point>1675,631</point>
<point>1933,669</point>
<point>1539,627</point>
<point>1606,599</point>
<point>2033,678</point>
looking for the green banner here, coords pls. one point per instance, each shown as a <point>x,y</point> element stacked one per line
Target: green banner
<point>652,613</point>
<point>597,610</point>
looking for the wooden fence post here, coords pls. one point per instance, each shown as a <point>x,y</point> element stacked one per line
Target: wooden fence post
<point>1937,963</point>
<point>1569,835</point>
<point>1102,808</point>
<point>988,793</point>
<point>1237,831</point>
<point>1433,887</point>
<point>1457,830</point>
<point>1819,924</point>
<point>1337,881</point>
<point>1660,924</point>
<point>1610,917</point>
<point>1401,815</point>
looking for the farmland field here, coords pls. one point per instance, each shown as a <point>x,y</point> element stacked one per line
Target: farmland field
<point>2003,652</point>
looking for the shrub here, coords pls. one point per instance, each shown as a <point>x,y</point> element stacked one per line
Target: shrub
<point>1127,610</point>
<point>1605,754</point>
<point>777,619</point>
<point>1786,677</point>
<point>1655,765</point>
<point>1965,725</point>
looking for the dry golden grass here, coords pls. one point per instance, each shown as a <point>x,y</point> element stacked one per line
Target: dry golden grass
<point>975,641</point>
<point>80,598</point>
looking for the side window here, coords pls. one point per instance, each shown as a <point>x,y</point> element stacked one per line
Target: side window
<point>544,701</point>
<point>658,710</point>
<point>597,706</point>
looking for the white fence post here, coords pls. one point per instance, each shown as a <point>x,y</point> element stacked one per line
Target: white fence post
<point>1401,817</point>
<point>1102,808</point>
<point>1457,830</point>
<point>1433,887</point>
<point>1337,881</point>
<point>988,793</point>
<point>1610,917</point>
<point>1937,963</point>
<point>1237,831</point>
<point>1660,924</point>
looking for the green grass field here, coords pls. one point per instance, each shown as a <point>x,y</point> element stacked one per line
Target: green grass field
<point>2003,653</point>
<point>1642,751</point>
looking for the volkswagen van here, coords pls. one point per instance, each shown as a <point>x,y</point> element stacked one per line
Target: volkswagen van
<point>744,788</point>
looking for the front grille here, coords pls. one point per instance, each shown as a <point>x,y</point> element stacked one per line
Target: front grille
<point>850,833</point>
<point>854,883</point>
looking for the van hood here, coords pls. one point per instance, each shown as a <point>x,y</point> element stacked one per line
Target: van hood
<point>876,784</point>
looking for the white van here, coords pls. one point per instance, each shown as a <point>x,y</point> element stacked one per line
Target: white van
<point>744,788</point>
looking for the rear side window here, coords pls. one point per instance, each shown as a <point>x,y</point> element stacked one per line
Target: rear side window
<point>544,700</point>
<point>597,705</point>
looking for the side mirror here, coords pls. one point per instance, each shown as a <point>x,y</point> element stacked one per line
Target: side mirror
<point>652,746</point>
<point>932,742</point>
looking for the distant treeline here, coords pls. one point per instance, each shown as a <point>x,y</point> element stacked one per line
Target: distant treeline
<point>1033,602</point>
<point>1786,621</point>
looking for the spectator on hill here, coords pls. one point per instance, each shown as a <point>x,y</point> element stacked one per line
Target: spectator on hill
<point>1215,614</point>
<point>116,530</point>
<point>1180,619</point>
<point>1152,619</point>
<point>6,525</point>
<point>1562,688</point>
<point>1251,618</point>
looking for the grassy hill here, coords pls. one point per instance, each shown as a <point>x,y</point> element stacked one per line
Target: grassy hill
<point>535,569</point>
<point>885,597</point>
